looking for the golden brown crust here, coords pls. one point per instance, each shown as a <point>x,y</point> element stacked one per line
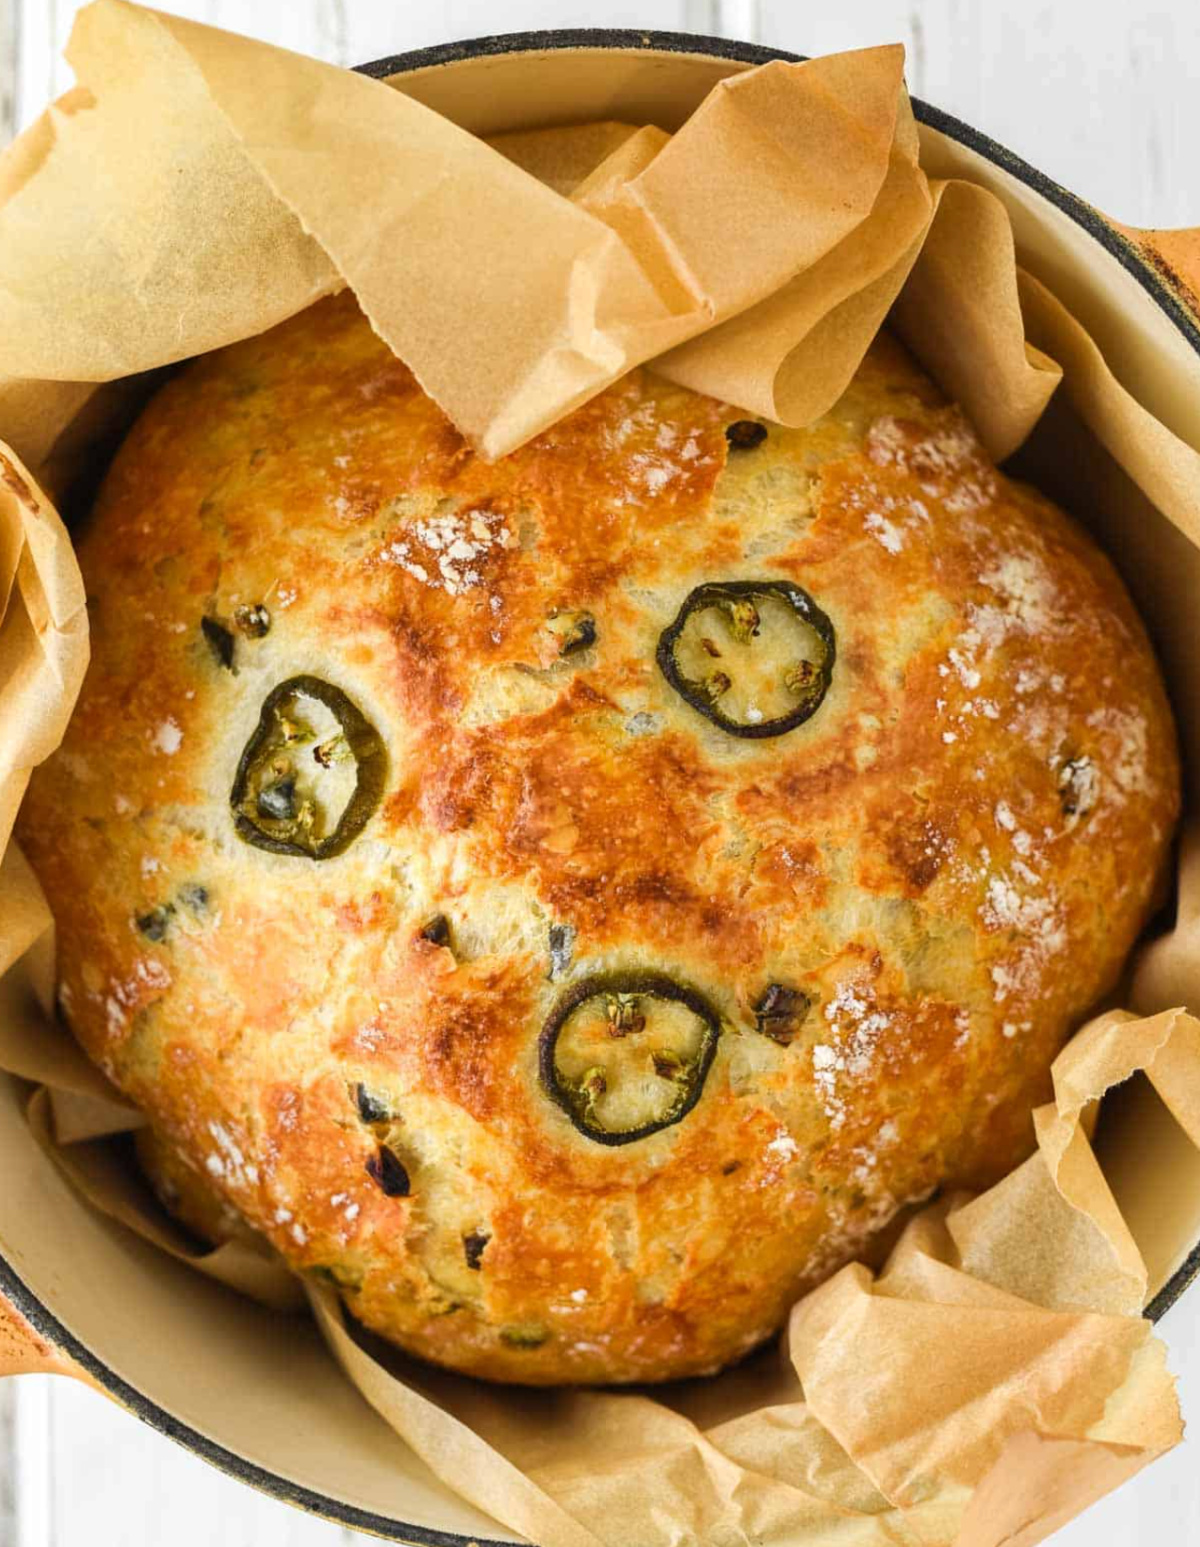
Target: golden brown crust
<point>907,857</point>
<point>186,1194</point>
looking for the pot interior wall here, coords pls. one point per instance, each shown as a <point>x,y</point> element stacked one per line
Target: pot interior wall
<point>489,94</point>
<point>263,1387</point>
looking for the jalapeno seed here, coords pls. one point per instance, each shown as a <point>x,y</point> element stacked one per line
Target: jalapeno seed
<point>311,774</point>
<point>627,1054</point>
<point>716,685</point>
<point>743,616</point>
<point>745,434</point>
<point>776,648</point>
<point>668,1065</point>
<point>593,1083</point>
<point>335,750</point>
<point>624,1014</point>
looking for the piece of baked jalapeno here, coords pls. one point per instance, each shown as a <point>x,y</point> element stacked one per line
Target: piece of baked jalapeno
<point>311,774</point>
<point>574,630</point>
<point>389,1173</point>
<point>627,1053</point>
<point>219,641</point>
<point>745,434</point>
<point>779,1013</point>
<point>1078,788</point>
<point>753,656</point>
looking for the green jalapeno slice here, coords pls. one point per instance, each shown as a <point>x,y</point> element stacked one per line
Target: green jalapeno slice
<point>311,774</point>
<point>753,656</point>
<point>626,1054</point>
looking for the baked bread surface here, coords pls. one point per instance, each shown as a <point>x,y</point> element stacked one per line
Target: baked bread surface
<point>893,913</point>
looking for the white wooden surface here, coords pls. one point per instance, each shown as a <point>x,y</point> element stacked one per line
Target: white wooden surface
<point>1100,94</point>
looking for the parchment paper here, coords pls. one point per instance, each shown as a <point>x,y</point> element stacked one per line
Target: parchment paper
<point>996,1375</point>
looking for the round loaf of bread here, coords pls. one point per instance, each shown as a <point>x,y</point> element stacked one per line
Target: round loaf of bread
<point>573,903</point>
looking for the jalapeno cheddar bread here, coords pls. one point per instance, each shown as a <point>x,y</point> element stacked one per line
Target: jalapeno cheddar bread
<point>574,903</point>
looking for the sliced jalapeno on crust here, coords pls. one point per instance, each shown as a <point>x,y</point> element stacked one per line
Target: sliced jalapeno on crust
<point>627,1053</point>
<point>311,774</point>
<point>753,656</point>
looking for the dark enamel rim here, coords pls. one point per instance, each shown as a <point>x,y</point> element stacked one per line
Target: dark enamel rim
<point>1126,254</point>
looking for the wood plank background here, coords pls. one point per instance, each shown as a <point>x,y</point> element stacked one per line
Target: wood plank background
<point>1099,94</point>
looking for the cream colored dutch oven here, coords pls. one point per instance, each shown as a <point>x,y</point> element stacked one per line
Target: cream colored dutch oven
<point>255,1393</point>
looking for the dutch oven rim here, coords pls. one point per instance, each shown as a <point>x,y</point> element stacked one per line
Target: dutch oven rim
<point>39,1316</point>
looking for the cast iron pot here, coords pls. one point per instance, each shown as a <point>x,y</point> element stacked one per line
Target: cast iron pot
<point>206,1367</point>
